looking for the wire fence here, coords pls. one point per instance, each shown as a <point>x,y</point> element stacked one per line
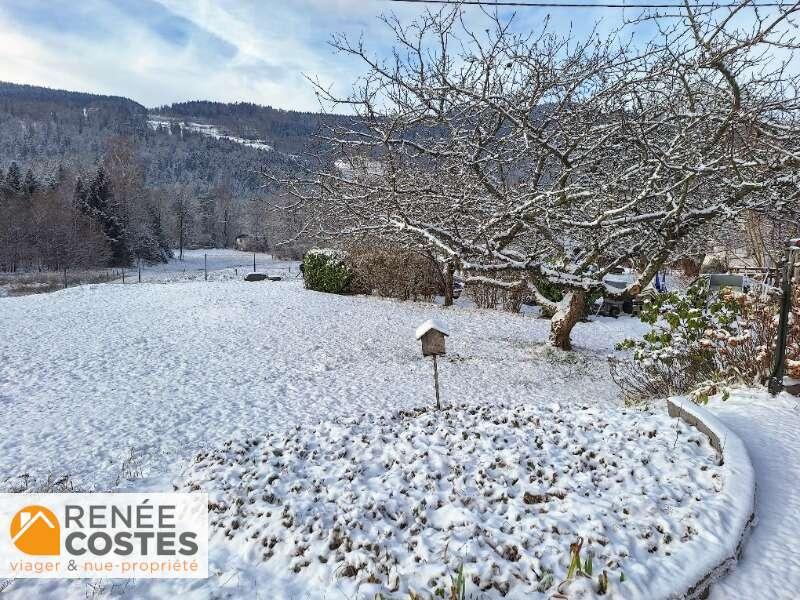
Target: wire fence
<point>209,268</point>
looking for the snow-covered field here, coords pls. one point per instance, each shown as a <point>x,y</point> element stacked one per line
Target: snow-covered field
<point>221,263</point>
<point>120,387</point>
<point>161,371</point>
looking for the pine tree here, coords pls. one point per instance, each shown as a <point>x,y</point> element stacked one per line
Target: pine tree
<point>14,179</point>
<point>98,199</point>
<point>157,227</point>
<point>80,195</point>
<point>30,185</point>
<point>59,176</point>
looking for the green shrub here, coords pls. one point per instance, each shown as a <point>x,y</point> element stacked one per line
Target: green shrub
<point>702,342</point>
<point>324,270</point>
<point>555,293</point>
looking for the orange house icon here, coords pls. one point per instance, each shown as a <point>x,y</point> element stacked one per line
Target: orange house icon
<point>35,530</point>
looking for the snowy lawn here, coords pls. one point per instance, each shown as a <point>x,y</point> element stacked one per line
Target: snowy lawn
<point>155,372</point>
<point>119,387</point>
<point>221,263</point>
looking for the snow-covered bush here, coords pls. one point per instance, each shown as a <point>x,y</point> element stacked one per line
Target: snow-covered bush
<point>490,296</point>
<point>325,270</point>
<point>701,342</point>
<point>392,271</point>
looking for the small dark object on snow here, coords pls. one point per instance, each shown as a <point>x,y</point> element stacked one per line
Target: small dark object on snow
<point>255,277</point>
<point>274,278</point>
<point>529,498</point>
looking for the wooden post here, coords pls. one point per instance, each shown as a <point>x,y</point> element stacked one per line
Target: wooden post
<point>205,266</point>
<point>123,275</point>
<point>140,268</point>
<point>65,277</point>
<point>436,382</point>
<point>254,262</point>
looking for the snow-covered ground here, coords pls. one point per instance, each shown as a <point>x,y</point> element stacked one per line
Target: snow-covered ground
<point>221,263</point>
<point>371,505</point>
<point>770,428</point>
<point>163,370</point>
<point>120,387</point>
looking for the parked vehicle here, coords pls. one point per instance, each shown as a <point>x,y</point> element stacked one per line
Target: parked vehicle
<point>458,288</point>
<point>735,281</point>
<point>716,281</point>
<point>614,308</point>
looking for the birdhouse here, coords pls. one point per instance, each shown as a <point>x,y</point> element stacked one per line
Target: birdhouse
<point>432,335</point>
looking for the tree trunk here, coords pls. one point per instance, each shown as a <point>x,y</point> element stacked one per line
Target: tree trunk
<point>569,312</point>
<point>448,283</point>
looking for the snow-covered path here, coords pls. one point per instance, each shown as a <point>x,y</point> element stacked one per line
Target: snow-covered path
<point>770,428</point>
<point>101,379</point>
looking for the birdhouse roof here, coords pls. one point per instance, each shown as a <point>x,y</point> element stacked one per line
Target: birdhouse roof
<point>428,326</point>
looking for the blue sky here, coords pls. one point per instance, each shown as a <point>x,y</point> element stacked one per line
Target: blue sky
<point>162,51</point>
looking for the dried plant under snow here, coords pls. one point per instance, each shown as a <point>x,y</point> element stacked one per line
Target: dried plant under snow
<point>401,502</point>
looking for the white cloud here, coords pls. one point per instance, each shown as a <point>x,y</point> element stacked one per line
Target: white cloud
<point>221,49</point>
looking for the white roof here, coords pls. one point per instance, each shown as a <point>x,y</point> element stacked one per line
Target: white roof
<point>428,325</point>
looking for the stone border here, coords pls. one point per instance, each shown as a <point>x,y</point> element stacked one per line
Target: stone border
<point>740,485</point>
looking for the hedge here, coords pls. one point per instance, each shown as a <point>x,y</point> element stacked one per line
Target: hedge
<point>324,270</point>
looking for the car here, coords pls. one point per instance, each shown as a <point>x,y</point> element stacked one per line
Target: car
<point>607,307</point>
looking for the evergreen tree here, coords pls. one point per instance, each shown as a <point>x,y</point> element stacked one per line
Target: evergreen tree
<point>157,227</point>
<point>98,198</point>
<point>30,185</point>
<point>59,176</point>
<point>14,179</point>
<point>80,195</point>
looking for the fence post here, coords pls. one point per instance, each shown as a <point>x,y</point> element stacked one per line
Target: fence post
<point>254,262</point>
<point>65,277</point>
<point>139,261</point>
<point>775,385</point>
<point>123,275</point>
<point>205,266</point>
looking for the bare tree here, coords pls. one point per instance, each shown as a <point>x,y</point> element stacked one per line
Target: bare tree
<point>182,212</point>
<point>520,159</point>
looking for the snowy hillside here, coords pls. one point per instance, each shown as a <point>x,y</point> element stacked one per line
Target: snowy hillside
<point>155,122</point>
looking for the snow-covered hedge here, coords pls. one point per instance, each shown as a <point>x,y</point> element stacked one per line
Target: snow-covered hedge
<point>325,270</point>
<point>402,503</point>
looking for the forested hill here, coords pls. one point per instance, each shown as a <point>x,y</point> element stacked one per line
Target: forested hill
<point>195,143</point>
<point>286,130</point>
<point>31,102</point>
<point>88,180</point>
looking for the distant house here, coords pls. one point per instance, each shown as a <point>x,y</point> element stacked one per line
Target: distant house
<point>742,261</point>
<point>737,259</point>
